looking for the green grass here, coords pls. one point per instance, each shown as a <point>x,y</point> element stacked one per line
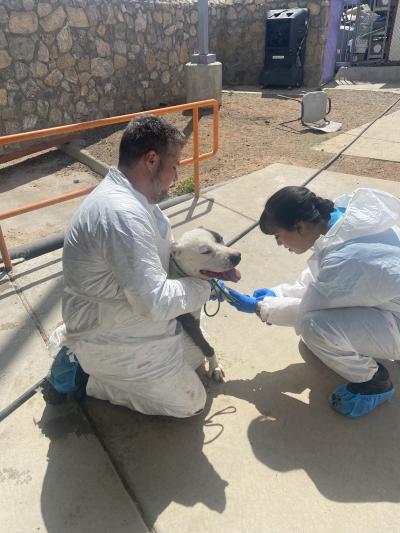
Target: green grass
<point>184,187</point>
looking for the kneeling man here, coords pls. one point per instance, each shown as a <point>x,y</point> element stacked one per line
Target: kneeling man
<point>119,307</point>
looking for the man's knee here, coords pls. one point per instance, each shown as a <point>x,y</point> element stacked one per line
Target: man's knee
<point>196,400</point>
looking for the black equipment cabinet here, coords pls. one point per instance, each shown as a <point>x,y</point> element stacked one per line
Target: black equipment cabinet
<point>286,33</point>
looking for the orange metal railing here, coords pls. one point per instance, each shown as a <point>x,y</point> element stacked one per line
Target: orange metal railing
<point>82,126</point>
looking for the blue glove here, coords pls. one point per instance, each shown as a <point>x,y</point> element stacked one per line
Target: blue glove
<point>260,294</point>
<point>217,290</point>
<point>242,302</point>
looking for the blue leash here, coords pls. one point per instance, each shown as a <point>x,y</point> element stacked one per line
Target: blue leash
<point>222,294</point>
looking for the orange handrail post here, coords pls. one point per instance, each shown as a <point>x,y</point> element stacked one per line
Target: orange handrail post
<point>4,252</point>
<point>82,126</point>
<point>196,168</point>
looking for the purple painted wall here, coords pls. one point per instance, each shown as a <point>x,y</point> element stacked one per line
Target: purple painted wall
<point>332,40</point>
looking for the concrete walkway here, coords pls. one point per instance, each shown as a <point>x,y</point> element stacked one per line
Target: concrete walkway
<point>268,453</point>
<point>54,472</point>
<point>380,141</point>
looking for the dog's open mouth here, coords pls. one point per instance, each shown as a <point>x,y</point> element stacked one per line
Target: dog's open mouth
<point>229,275</point>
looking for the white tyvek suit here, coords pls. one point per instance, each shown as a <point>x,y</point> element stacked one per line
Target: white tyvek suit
<point>346,304</point>
<point>119,308</point>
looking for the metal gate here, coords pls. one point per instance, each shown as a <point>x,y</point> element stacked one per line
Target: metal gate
<point>363,33</point>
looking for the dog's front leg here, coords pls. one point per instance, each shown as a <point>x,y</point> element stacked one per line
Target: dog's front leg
<point>192,327</point>
<point>215,370</point>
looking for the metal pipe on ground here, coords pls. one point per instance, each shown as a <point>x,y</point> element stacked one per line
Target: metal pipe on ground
<point>37,248</point>
<point>55,242</point>
<point>4,413</point>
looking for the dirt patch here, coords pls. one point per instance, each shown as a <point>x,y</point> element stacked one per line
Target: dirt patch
<point>39,178</point>
<point>253,135</point>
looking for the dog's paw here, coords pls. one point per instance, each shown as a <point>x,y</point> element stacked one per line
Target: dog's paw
<point>217,374</point>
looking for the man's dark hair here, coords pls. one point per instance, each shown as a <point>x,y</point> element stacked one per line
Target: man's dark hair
<point>294,204</point>
<point>146,133</point>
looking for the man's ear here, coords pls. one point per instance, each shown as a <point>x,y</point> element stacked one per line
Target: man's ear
<point>175,249</point>
<point>151,159</point>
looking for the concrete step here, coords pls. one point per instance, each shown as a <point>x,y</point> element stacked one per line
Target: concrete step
<point>371,74</point>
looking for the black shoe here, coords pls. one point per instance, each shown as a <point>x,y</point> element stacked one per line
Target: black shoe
<point>51,395</point>
<point>379,383</point>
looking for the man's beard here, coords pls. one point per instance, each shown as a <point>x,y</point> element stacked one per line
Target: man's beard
<point>157,193</point>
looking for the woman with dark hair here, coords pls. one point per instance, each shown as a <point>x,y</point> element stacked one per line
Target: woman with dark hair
<point>346,304</point>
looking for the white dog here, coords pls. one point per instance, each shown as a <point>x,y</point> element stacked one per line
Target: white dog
<point>201,253</point>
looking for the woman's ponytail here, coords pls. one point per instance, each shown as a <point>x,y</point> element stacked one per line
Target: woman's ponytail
<point>324,206</point>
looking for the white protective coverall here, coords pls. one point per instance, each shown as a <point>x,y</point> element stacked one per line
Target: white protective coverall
<point>346,304</point>
<point>119,308</point>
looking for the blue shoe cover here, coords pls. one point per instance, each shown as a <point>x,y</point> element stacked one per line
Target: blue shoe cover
<point>65,372</point>
<point>355,405</point>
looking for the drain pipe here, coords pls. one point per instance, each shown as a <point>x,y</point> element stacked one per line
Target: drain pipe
<point>55,242</point>
<point>37,248</point>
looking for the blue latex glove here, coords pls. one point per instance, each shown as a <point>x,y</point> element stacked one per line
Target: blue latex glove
<point>242,302</point>
<point>260,294</point>
<point>217,293</point>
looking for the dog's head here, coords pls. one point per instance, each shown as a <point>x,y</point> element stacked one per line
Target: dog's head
<point>201,253</point>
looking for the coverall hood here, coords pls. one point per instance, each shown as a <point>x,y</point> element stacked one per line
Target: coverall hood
<point>368,212</point>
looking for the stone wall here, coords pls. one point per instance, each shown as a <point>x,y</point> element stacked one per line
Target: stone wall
<point>63,61</point>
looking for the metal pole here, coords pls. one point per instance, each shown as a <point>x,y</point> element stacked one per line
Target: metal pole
<point>203,57</point>
<point>202,8</point>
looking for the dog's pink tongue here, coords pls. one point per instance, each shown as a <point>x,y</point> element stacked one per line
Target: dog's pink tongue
<point>230,275</point>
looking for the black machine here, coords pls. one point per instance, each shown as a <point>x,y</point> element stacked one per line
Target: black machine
<point>286,32</point>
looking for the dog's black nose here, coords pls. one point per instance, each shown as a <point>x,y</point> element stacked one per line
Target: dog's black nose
<point>235,258</point>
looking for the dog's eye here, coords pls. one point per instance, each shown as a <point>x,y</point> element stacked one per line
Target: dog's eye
<point>204,252</point>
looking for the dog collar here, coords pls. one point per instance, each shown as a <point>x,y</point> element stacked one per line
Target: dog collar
<point>179,271</point>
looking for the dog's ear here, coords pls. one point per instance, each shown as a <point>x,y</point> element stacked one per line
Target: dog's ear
<point>175,249</point>
<point>218,238</point>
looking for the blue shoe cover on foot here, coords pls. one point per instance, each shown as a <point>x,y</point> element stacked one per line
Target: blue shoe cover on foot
<point>354,405</point>
<point>66,374</point>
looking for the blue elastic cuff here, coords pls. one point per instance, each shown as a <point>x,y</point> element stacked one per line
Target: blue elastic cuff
<point>63,372</point>
<point>355,405</point>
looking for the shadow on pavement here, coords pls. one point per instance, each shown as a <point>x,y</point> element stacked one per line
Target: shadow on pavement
<point>80,491</point>
<point>349,460</point>
<point>14,348</point>
<point>160,459</point>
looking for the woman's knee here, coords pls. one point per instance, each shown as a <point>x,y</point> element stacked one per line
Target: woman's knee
<point>314,329</point>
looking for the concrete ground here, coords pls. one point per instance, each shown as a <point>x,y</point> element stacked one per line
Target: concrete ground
<point>268,454</point>
<point>383,74</point>
<point>381,141</point>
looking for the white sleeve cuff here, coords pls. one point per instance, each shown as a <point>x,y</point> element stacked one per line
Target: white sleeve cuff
<point>280,311</point>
